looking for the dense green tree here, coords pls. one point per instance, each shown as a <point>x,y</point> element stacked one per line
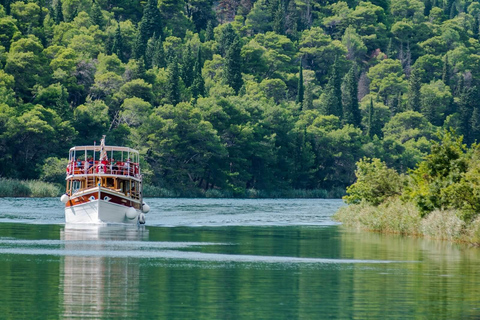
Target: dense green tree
<point>198,85</point>
<point>173,82</point>
<point>58,12</point>
<point>150,24</point>
<point>300,87</point>
<point>117,46</point>
<point>233,66</point>
<point>351,110</point>
<point>413,93</point>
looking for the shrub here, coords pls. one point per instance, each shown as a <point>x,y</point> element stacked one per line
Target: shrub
<point>375,182</point>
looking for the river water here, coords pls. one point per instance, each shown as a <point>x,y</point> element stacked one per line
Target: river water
<point>226,259</point>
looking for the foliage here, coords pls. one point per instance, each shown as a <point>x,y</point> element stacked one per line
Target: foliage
<point>222,79</point>
<point>375,183</point>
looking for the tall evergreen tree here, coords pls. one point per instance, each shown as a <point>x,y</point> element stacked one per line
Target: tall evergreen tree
<point>233,66</point>
<point>209,35</point>
<point>188,66</point>
<point>96,15</point>
<point>414,85</point>
<point>58,12</point>
<point>300,86</point>
<point>227,37</point>
<point>198,85</point>
<point>173,82</point>
<point>117,46</point>
<point>291,20</point>
<point>150,24</point>
<point>351,110</point>
<point>446,74</point>
<point>278,17</point>
<point>370,124</point>
<point>334,92</point>
<point>158,59</point>
<point>475,124</point>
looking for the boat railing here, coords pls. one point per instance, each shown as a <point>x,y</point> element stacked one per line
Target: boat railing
<point>129,169</point>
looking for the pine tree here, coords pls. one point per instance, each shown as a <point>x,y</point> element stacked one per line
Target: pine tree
<point>414,85</point>
<point>351,110</point>
<point>198,85</point>
<point>117,46</point>
<point>233,66</point>
<point>209,35</point>
<point>300,86</point>
<point>58,12</point>
<point>173,82</point>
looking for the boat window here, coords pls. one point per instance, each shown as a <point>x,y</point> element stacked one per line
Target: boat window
<point>76,185</point>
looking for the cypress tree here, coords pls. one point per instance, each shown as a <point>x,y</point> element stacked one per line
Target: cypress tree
<point>475,124</point>
<point>291,20</point>
<point>308,100</point>
<point>351,110</point>
<point>187,66</point>
<point>278,17</point>
<point>414,85</point>
<point>150,52</point>
<point>334,93</point>
<point>446,74</point>
<point>209,35</point>
<point>198,85</point>
<point>117,46</point>
<point>476,28</point>
<point>233,66</point>
<point>370,113</point>
<point>173,82</point>
<point>97,15</point>
<point>58,12</point>
<point>150,24</point>
<point>300,86</point>
<point>226,39</point>
<point>158,59</point>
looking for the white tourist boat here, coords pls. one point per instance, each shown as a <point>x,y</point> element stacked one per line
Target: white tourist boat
<point>104,185</point>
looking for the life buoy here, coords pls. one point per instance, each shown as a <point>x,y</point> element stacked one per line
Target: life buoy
<point>68,170</point>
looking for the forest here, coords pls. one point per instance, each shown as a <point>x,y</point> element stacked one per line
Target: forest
<point>236,95</point>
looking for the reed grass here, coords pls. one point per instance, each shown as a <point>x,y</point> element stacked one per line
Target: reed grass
<point>28,188</point>
<point>395,216</point>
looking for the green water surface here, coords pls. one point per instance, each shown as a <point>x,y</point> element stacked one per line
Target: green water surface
<point>53,271</point>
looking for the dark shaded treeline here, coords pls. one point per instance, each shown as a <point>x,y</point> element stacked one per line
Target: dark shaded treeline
<point>236,95</point>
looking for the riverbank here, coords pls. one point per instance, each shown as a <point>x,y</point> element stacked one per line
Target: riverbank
<point>28,188</point>
<point>41,189</point>
<point>395,216</point>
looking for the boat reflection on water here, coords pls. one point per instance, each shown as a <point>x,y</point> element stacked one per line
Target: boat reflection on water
<point>99,277</point>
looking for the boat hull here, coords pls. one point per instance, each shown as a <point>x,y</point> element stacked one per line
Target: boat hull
<point>89,208</point>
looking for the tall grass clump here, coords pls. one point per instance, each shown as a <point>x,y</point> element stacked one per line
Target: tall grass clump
<point>13,188</point>
<point>29,188</point>
<point>41,189</point>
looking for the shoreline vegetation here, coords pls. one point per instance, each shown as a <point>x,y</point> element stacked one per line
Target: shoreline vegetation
<point>439,199</point>
<point>42,189</point>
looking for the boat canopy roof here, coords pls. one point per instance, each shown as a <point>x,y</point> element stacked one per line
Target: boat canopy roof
<point>105,148</point>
